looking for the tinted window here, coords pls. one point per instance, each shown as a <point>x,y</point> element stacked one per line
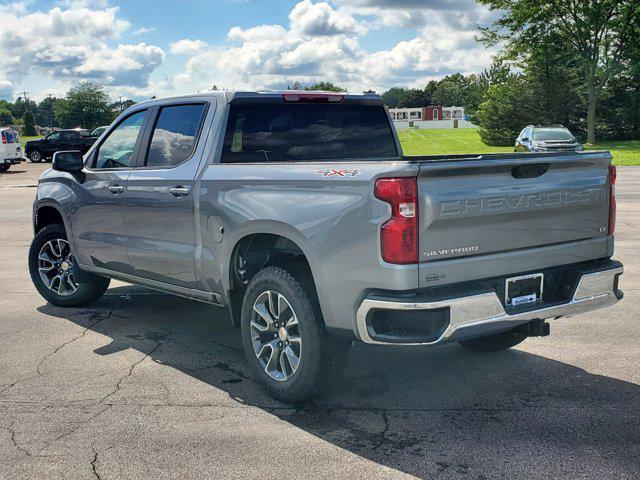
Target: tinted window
<point>298,132</point>
<point>174,135</point>
<point>8,136</point>
<point>117,149</point>
<point>66,136</point>
<point>552,134</point>
<point>54,136</point>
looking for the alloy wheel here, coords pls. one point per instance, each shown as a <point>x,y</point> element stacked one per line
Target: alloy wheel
<point>275,335</point>
<point>56,267</point>
<point>35,156</point>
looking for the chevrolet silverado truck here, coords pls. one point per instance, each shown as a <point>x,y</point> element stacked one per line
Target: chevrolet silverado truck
<point>62,140</point>
<point>300,215</point>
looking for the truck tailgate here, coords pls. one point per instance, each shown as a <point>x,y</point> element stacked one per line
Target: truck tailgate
<point>495,204</point>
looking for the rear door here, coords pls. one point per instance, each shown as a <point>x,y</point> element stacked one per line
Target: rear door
<point>160,199</point>
<point>499,206</point>
<point>98,220</point>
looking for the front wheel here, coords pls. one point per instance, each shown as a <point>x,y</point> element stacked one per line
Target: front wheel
<point>35,156</point>
<point>55,274</point>
<point>284,338</point>
<point>496,342</point>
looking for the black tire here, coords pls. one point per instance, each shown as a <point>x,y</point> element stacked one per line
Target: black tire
<point>321,358</point>
<point>4,168</point>
<point>35,156</point>
<point>89,290</point>
<point>495,343</point>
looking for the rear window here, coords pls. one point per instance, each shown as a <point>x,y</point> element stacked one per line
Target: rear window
<point>8,136</point>
<point>275,132</point>
<point>552,134</point>
<point>174,136</point>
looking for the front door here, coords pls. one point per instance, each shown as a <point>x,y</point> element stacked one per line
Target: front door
<point>50,144</point>
<point>98,220</point>
<point>160,197</point>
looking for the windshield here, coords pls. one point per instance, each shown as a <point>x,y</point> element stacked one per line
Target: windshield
<point>552,134</point>
<point>284,132</point>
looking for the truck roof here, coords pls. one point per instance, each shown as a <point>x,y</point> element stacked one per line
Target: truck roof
<point>230,95</point>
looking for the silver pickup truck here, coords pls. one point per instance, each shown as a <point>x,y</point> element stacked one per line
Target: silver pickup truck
<point>299,214</point>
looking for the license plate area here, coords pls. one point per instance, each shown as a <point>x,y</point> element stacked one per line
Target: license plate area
<point>523,290</point>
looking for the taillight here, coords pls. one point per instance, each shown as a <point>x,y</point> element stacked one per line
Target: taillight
<point>612,199</point>
<point>4,139</point>
<point>399,235</point>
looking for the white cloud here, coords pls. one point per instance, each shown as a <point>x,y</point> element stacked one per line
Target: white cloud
<point>71,42</point>
<point>324,40</point>
<point>142,31</point>
<point>318,19</point>
<point>325,43</point>
<point>188,47</point>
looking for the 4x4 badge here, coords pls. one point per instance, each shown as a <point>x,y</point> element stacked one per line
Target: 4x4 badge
<point>344,172</point>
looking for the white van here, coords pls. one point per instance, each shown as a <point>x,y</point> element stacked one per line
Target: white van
<point>10,151</point>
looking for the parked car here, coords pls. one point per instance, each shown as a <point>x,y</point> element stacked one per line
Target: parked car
<point>10,150</point>
<point>299,213</point>
<point>99,131</point>
<point>550,138</point>
<point>44,148</point>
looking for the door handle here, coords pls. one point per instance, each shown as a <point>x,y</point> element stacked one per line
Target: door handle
<point>179,191</point>
<point>115,189</point>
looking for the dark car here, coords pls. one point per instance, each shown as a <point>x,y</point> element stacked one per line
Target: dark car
<point>44,148</point>
<point>550,138</point>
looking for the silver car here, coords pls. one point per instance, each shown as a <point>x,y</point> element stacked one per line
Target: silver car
<point>551,138</point>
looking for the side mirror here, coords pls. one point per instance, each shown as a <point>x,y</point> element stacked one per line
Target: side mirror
<point>525,139</point>
<point>70,161</point>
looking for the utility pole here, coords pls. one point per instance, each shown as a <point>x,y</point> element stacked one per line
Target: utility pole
<point>50,112</point>
<point>120,103</point>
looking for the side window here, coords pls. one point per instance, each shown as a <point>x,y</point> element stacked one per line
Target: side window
<point>54,137</point>
<point>69,136</point>
<point>117,149</point>
<point>174,135</point>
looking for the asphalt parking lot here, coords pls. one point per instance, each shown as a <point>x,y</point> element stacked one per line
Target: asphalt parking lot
<point>147,385</point>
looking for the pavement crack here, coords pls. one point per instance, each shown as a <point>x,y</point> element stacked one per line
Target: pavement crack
<point>130,372</point>
<point>60,347</point>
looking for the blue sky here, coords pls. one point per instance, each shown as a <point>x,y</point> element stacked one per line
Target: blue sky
<point>142,48</point>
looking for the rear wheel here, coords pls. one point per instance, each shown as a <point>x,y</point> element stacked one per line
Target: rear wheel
<point>4,168</point>
<point>35,156</point>
<point>284,339</point>
<point>496,342</point>
<point>55,273</point>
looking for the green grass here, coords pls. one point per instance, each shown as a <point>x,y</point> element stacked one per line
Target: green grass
<point>25,139</point>
<point>625,152</point>
<point>467,140</point>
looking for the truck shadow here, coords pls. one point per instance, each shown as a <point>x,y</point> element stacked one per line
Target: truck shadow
<point>425,412</point>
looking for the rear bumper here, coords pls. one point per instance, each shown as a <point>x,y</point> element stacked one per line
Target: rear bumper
<point>479,314</point>
<point>12,161</point>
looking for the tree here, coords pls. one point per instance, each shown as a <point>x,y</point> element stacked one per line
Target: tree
<point>29,124</point>
<point>393,97</point>
<point>601,33</point>
<point>5,117</point>
<point>85,105</point>
<point>506,109</point>
<point>414,98</point>
<point>325,87</point>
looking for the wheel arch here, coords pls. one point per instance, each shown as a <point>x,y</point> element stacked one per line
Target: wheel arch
<point>48,213</point>
<point>261,247</point>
